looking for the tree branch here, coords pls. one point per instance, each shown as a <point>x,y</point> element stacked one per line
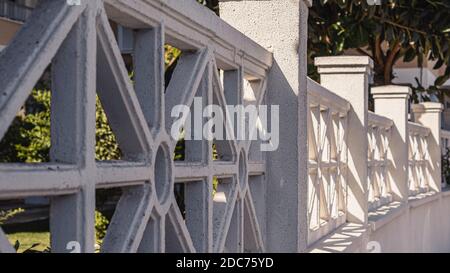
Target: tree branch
<point>399,25</point>
<point>390,62</point>
<point>378,52</point>
<point>363,52</point>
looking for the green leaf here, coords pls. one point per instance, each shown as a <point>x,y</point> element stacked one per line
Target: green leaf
<point>441,80</point>
<point>410,55</point>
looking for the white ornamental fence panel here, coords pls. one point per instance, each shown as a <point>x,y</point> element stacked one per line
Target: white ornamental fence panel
<point>418,158</point>
<point>379,134</point>
<point>327,166</point>
<point>337,166</point>
<point>218,65</point>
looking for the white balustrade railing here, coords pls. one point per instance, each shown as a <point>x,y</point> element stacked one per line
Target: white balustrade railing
<point>81,47</point>
<point>379,134</point>
<point>418,159</point>
<point>328,163</point>
<point>327,167</point>
<point>234,195</point>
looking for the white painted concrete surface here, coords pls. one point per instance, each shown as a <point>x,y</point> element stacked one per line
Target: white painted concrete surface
<point>326,189</point>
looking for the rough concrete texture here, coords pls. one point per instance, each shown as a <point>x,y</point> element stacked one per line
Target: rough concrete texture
<point>80,44</point>
<point>262,200</point>
<point>285,34</point>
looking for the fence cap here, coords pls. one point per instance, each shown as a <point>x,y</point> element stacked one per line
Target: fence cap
<point>390,91</point>
<point>344,64</point>
<point>427,107</point>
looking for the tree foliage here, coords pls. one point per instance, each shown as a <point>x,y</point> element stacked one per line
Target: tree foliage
<point>396,30</point>
<point>445,170</point>
<point>106,146</point>
<point>211,4</point>
<point>28,138</point>
<point>6,214</point>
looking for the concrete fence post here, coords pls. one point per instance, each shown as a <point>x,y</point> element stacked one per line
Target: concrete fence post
<point>348,77</point>
<point>392,102</point>
<point>428,114</point>
<point>286,198</point>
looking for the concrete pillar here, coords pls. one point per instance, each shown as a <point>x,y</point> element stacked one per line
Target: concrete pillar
<point>348,77</point>
<point>392,102</point>
<point>429,115</point>
<point>285,34</point>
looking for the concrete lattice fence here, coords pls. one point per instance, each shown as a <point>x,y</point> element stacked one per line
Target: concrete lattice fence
<point>327,165</point>
<point>342,179</point>
<point>379,135</point>
<point>85,58</point>
<point>402,191</point>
